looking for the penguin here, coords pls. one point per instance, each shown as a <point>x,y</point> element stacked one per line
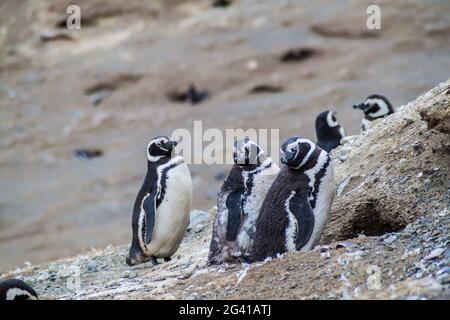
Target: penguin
<point>239,202</point>
<point>162,206</point>
<point>328,131</point>
<point>374,107</point>
<point>15,289</point>
<point>296,208</point>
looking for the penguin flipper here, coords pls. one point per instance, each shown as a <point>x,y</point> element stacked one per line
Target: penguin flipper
<point>149,207</point>
<point>301,208</point>
<point>234,205</point>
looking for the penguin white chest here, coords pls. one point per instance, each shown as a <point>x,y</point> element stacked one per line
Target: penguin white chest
<point>252,205</point>
<point>172,214</point>
<point>325,197</point>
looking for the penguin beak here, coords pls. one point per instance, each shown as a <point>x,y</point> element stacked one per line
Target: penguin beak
<point>170,145</point>
<point>286,157</point>
<point>362,106</point>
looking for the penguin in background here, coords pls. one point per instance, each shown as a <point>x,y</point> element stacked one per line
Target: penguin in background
<point>239,202</point>
<point>296,208</point>
<point>328,131</point>
<point>15,289</point>
<point>162,207</point>
<point>374,107</point>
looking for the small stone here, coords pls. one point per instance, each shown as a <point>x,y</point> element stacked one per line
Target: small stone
<point>129,274</point>
<point>91,266</point>
<point>341,245</point>
<point>252,65</point>
<point>53,268</point>
<point>199,228</point>
<point>97,97</point>
<point>390,239</point>
<point>197,217</point>
<point>434,254</point>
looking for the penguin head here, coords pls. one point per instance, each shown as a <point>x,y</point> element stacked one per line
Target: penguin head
<point>375,106</point>
<point>160,147</point>
<point>15,289</point>
<point>327,126</point>
<point>247,152</point>
<point>296,151</point>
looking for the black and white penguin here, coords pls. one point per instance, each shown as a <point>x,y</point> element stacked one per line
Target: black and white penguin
<point>296,208</point>
<point>374,107</point>
<point>161,210</point>
<point>15,289</point>
<point>328,131</point>
<point>239,202</point>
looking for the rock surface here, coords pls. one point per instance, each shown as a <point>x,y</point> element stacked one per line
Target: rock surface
<point>394,220</point>
<point>395,172</point>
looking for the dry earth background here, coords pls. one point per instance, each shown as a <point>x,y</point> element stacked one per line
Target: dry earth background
<point>53,205</point>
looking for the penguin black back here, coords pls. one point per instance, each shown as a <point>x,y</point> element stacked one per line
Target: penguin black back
<point>328,131</point>
<point>270,237</point>
<point>298,203</point>
<point>15,289</point>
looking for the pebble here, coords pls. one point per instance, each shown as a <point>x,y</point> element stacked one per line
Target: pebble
<point>91,266</point>
<point>390,239</point>
<point>197,220</point>
<point>97,97</point>
<point>434,254</point>
<point>199,228</point>
<point>129,274</point>
<point>344,245</point>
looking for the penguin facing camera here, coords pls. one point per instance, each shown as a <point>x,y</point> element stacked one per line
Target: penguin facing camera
<point>161,211</point>
<point>239,202</point>
<point>328,131</point>
<point>374,107</point>
<point>296,208</point>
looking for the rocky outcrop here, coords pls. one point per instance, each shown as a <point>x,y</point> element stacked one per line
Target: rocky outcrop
<point>388,236</point>
<point>395,172</point>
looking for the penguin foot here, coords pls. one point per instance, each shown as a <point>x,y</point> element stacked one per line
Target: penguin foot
<point>167,259</point>
<point>154,260</point>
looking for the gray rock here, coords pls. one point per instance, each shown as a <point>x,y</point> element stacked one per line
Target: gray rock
<point>197,220</point>
<point>91,266</point>
<point>434,254</point>
<point>97,97</point>
<point>390,239</point>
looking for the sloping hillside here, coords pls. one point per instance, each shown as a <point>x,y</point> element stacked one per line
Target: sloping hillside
<point>393,201</point>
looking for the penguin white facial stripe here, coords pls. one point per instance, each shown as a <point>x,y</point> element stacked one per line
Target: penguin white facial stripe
<point>331,123</point>
<point>384,109</point>
<point>308,155</point>
<point>315,175</point>
<point>14,292</point>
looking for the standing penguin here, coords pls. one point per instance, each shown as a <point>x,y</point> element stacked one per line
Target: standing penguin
<point>15,289</point>
<point>239,203</point>
<point>374,107</point>
<point>328,131</point>
<point>296,208</point>
<point>161,210</point>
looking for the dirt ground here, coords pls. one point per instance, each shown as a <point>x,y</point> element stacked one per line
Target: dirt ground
<point>54,205</point>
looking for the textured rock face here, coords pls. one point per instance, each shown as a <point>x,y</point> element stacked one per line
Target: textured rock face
<point>392,209</point>
<point>395,172</point>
